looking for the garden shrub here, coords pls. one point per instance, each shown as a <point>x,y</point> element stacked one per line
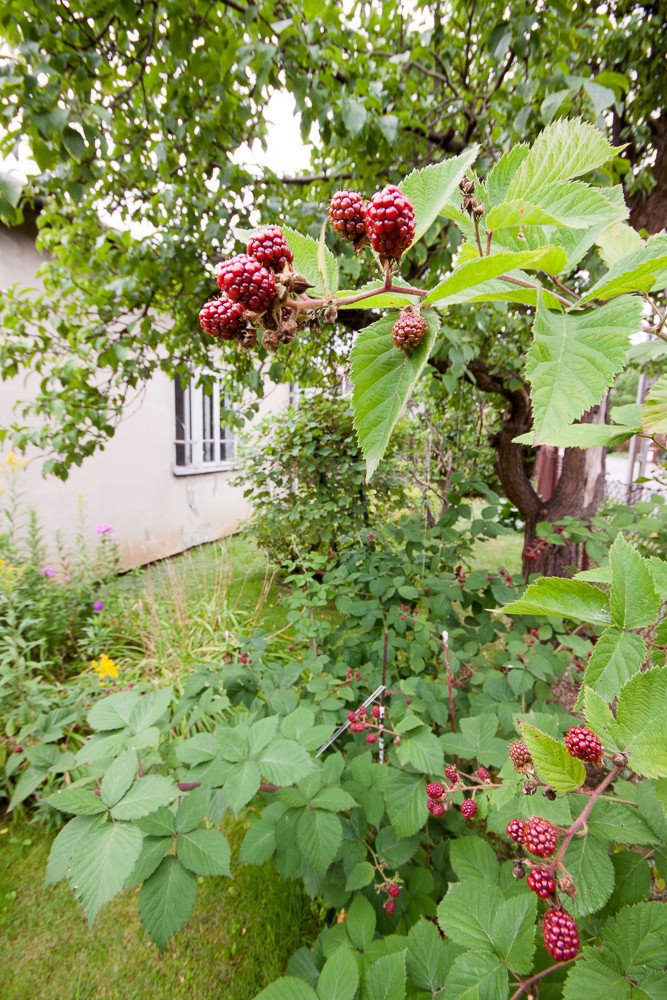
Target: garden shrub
<point>305,478</point>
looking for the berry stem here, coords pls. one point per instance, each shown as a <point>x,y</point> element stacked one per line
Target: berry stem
<point>539,975</point>
<point>582,817</point>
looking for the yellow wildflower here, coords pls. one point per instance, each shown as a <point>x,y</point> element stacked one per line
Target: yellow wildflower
<point>104,667</point>
<point>14,462</point>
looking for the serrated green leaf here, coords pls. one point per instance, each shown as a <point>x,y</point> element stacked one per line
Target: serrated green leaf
<point>204,852</point>
<point>104,859</point>
<point>477,740</point>
<point>406,803</point>
<point>287,988</point>
<point>422,751</point>
<point>153,849</point>
<point>334,799</point>
<point>472,857</point>
<point>11,189</point>
<point>654,410</point>
<point>384,378</point>
<point>554,765</point>
<point>588,862</point>
<point>476,272</point>
<point>430,189</point>
<point>65,845</point>
<point>573,360</point>
<point>150,708</point>
<point>567,148</point>
<point>383,300</point>
<point>144,797</point>
<point>633,601</point>
<point>166,900</point>
<point>636,936</point>
<point>617,656</point>
<point>319,835</point>
<point>199,749</point>
<point>259,843</point>
<point>635,273</point>
<point>619,823</point>
<point>327,265</point>
<point>305,262</point>
<point>569,203</point>
<point>285,762</point>
<point>339,978</point>
<point>467,913</point>
<point>515,932</point>
<point>640,728</point>
<point>554,597</point>
<point>114,711</point>
<point>595,980</point>
<point>161,823</point>
<point>193,809</point>
<point>500,176</point>
<point>119,777</point>
<point>361,921</point>
<point>361,875</point>
<point>80,801</point>
<point>477,975</point>
<point>385,980</point>
<point>618,241</point>
<point>242,784</point>
<point>426,956</point>
<point>587,435</point>
<point>632,879</point>
<point>598,714</point>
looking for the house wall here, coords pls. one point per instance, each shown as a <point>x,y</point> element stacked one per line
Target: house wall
<point>130,484</point>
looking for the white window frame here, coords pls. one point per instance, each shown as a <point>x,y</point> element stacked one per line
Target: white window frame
<point>197,439</point>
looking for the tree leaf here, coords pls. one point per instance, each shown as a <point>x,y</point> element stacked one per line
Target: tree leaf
<point>102,862</point>
<point>426,956</point>
<point>242,784</point>
<point>477,975</point>
<point>637,272</point>
<point>633,600</point>
<point>259,843</point>
<point>64,846</point>
<point>552,596</point>
<point>430,189</point>
<point>472,857</point>
<point>476,272</point>
<point>150,708</point>
<point>119,777</point>
<point>617,656</point>
<point>569,203</point>
<point>334,799</point>
<point>619,823</point>
<point>640,728</point>
<point>588,862</point>
<point>144,797</point>
<point>406,803</point>
<point>384,377</point>
<point>422,751</point>
<point>654,410</point>
<point>305,250</point>
<point>319,835</point>
<point>153,849</point>
<point>80,801</point>
<point>467,913</point>
<point>385,980</point>
<point>573,360</point>
<point>339,977</point>
<point>595,980</point>
<point>193,809</point>
<point>287,988</point>
<point>565,149</point>
<point>361,921</point>
<point>361,875</point>
<point>114,711</point>
<point>166,900</point>
<point>285,762</point>
<point>327,265</point>
<point>204,852</point>
<point>554,765</point>
<point>636,936</point>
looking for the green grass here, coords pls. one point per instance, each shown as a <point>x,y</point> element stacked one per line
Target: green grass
<point>493,554</point>
<point>239,939</point>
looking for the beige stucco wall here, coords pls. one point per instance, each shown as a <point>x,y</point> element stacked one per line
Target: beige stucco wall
<point>129,485</point>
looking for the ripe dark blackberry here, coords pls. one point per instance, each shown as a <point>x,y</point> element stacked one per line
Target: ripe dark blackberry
<point>390,223</point>
<point>390,907</point>
<point>435,808</point>
<point>469,808</point>
<point>561,935</point>
<point>451,772</point>
<point>520,756</point>
<point>394,890</point>
<point>347,212</point>
<point>514,829</point>
<point>584,744</point>
<point>270,248</point>
<point>245,280</point>
<point>435,790</point>
<point>541,882</point>
<point>483,774</point>
<point>222,318</point>
<point>540,837</point>
<point>408,330</point>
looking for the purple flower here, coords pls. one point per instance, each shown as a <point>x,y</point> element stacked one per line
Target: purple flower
<point>47,571</point>
<point>68,579</point>
<point>98,605</point>
<point>103,529</point>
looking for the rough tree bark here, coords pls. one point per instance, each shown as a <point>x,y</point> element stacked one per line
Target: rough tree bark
<point>579,489</point>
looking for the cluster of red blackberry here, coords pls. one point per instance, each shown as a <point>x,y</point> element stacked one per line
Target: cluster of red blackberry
<point>255,287</point>
<point>388,222</point>
<point>439,797</point>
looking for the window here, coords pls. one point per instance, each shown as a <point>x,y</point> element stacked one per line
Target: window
<point>202,442</point>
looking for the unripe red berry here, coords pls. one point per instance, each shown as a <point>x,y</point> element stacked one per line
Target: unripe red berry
<point>352,716</point>
<point>408,332</point>
<point>222,318</point>
<point>584,744</point>
<point>541,882</point>
<point>483,774</point>
<point>435,808</point>
<point>435,790</point>
<point>451,772</point>
<point>469,808</point>
<point>514,829</point>
<point>561,935</point>
<point>390,907</point>
<point>348,215</point>
<point>540,837</point>
<point>270,248</point>
<point>371,738</point>
<point>397,741</point>
<point>363,710</point>
<point>246,281</point>
<point>375,711</point>
<point>520,756</point>
<point>394,890</point>
<point>390,223</point>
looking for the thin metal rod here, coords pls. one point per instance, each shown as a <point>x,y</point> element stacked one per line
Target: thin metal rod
<point>385,650</point>
<point>341,729</point>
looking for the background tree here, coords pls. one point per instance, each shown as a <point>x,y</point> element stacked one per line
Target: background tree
<point>134,116</point>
